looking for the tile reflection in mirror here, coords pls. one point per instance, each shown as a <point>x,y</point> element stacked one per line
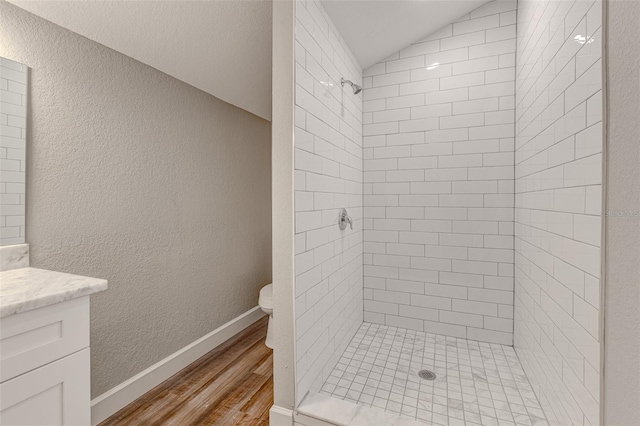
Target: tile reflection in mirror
<point>13,129</point>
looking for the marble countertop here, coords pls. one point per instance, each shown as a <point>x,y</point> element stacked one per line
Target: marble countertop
<point>25,289</point>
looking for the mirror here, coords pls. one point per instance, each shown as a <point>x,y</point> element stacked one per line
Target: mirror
<point>13,130</point>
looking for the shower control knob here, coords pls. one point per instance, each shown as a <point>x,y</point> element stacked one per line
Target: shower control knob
<point>344,220</point>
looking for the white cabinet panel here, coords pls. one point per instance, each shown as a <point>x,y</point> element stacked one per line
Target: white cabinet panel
<point>34,338</point>
<point>55,394</point>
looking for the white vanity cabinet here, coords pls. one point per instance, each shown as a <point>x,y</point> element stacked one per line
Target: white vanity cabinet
<point>44,350</point>
<point>44,366</point>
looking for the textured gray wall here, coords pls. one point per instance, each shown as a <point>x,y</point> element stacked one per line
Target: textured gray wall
<point>622,244</point>
<point>143,180</point>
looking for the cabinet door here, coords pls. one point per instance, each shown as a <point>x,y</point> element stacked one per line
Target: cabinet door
<point>34,338</point>
<point>56,394</point>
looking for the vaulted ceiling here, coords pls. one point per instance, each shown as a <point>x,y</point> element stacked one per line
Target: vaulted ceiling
<point>223,47</point>
<point>375,29</point>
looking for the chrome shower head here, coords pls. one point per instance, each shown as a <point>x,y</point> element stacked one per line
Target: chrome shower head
<point>356,88</point>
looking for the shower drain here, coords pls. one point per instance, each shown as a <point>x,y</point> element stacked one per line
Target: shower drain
<point>427,375</point>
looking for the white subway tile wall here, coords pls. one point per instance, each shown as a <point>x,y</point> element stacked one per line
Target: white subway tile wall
<point>328,176</point>
<point>13,128</point>
<point>439,180</point>
<point>558,176</point>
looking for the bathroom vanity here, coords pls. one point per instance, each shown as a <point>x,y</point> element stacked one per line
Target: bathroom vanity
<point>44,315</point>
<point>44,346</point>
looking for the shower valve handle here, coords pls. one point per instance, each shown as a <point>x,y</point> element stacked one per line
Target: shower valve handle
<point>344,220</point>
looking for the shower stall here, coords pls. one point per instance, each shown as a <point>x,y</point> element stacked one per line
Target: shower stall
<point>448,209</point>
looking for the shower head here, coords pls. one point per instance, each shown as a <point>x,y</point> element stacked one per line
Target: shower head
<point>356,88</point>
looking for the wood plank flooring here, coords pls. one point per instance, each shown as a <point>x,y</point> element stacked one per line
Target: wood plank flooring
<point>231,385</point>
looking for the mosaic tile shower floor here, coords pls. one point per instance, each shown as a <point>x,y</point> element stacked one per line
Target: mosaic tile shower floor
<point>477,383</point>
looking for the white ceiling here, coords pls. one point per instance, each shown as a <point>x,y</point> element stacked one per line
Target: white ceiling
<point>375,29</point>
<point>222,47</point>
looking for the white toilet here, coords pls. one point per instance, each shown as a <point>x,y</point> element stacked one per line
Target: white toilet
<point>266,304</point>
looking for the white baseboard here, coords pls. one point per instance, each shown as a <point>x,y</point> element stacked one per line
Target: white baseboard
<point>280,416</point>
<point>128,391</point>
